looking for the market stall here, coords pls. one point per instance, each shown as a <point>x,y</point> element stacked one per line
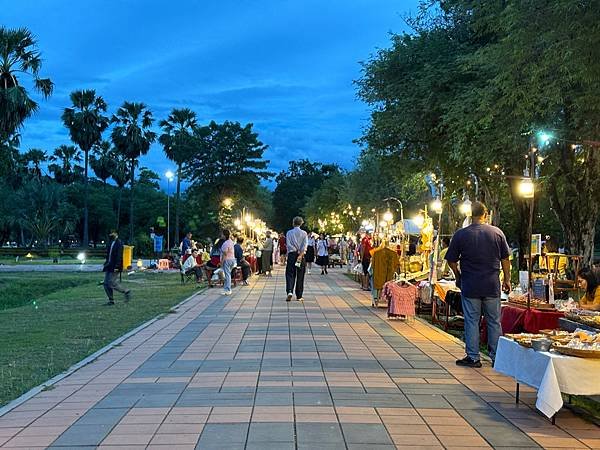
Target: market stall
<point>555,372</point>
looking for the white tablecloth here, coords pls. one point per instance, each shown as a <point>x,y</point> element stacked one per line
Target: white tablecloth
<point>549,373</point>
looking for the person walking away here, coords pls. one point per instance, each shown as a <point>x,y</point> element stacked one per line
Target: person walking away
<point>112,266</point>
<point>282,249</point>
<point>366,246</point>
<point>186,244</point>
<point>322,253</point>
<point>227,261</point>
<point>191,265</point>
<point>267,254</point>
<point>276,254</point>
<point>241,261</point>
<point>309,258</point>
<point>481,250</point>
<point>297,243</point>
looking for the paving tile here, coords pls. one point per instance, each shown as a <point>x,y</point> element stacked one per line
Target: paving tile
<point>319,433</point>
<point>365,434</point>
<point>271,432</point>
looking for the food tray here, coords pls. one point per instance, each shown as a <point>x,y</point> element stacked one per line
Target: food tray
<point>577,352</point>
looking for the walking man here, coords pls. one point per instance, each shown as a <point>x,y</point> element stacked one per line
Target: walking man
<point>481,250</point>
<point>112,266</point>
<point>297,243</point>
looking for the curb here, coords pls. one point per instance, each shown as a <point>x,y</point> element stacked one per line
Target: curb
<point>84,362</point>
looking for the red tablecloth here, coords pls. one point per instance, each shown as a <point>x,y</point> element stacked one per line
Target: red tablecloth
<point>517,320</point>
<point>512,319</point>
<point>536,320</point>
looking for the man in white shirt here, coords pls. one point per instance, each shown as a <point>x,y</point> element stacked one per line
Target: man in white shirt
<point>297,242</point>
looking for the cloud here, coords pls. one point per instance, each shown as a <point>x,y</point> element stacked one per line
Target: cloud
<point>286,66</point>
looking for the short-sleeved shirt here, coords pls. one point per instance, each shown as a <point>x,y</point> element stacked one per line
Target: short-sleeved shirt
<point>227,250</point>
<point>479,248</point>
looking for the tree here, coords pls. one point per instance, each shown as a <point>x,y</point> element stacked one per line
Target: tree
<point>103,160</point>
<point>18,54</point>
<point>64,164</point>
<point>227,163</point>
<point>149,178</point>
<point>120,173</point>
<point>86,123</point>
<point>295,186</point>
<point>34,158</point>
<point>132,137</point>
<point>178,143</point>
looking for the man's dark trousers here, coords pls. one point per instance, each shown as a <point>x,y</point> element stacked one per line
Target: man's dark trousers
<point>294,276</point>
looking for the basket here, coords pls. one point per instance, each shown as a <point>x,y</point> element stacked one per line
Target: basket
<point>577,352</point>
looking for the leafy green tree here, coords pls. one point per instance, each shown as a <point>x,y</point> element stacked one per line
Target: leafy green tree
<point>18,55</point>
<point>86,122</point>
<point>227,163</point>
<point>65,167</point>
<point>295,186</point>
<point>103,161</point>
<point>178,143</point>
<point>132,136</point>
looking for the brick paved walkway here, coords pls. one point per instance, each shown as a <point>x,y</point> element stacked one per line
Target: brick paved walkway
<point>252,371</point>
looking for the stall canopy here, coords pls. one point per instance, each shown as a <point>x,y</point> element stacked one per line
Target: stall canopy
<point>410,227</point>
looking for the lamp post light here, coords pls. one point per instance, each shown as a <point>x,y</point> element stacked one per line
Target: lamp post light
<point>170,175</point>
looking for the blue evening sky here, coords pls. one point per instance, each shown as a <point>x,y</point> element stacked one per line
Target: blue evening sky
<point>286,66</point>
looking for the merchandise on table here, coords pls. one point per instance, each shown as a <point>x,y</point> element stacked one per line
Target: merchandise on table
<point>580,343</point>
<point>584,316</point>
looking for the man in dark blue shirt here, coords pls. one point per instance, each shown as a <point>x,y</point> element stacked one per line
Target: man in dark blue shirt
<point>482,251</point>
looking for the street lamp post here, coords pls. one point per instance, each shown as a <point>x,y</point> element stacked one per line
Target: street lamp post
<point>170,175</point>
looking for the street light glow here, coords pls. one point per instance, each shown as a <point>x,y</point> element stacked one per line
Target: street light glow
<point>436,206</point>
<point>388,216</point>
<point>465,208</point>
<point>419,220</point>
<point>526,188</point>
<point>170,175</point>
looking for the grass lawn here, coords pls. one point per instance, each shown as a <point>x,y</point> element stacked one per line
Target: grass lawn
<point>50,321</point>
<point>47,261</point>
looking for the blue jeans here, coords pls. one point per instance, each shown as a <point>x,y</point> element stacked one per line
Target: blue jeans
<point>472,311</point>
<point>228,266</point>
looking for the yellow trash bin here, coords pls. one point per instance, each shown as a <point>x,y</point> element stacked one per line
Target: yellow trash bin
<point>127,256</point>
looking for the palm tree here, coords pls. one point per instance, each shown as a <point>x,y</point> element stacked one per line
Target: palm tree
<point>102,160</point>
<point>120,173</point>
<point>86,123</point>
<point>177,141</point>
<point>18,54</point>
<point>35,157</point>
<point>64,164</point>
<point>132,137</point>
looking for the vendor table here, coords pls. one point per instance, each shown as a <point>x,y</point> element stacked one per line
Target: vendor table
<point>550,373</point>
<point>516,319</point>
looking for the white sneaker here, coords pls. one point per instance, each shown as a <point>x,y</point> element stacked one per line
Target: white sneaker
<point>226,293</point>
<point>289,297</point>
<point>308,271</point>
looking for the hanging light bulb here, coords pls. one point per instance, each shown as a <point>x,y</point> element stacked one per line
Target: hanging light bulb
<point>436,206</point>
<point>388,216</point>
<point>527,188</point>
<point>465,208</point>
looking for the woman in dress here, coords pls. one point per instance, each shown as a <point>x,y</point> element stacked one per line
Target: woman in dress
<point>322,253</point>
<point>275,249</point>
<point>309,257</point>
<point>267,255</point>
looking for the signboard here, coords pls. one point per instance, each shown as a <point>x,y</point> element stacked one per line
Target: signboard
<point>158,243</point>
<point>536,244</point>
